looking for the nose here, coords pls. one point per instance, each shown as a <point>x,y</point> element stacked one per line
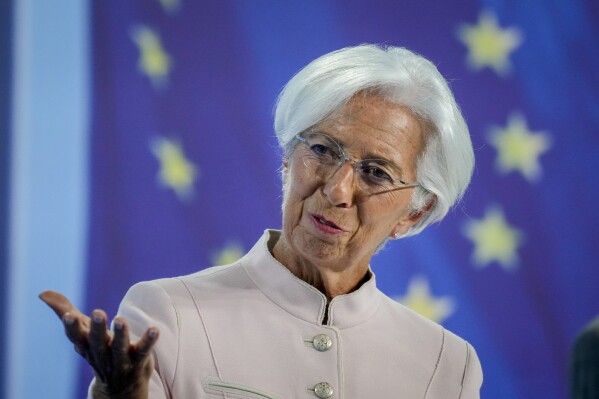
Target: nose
<point>339,189</point>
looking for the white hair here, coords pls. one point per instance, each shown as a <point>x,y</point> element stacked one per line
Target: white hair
<point>399,76</point>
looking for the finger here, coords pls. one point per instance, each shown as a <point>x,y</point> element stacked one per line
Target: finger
<point>143,352</point>
<point>79,335</point>
<point>80,350</point>
<point>121,361</point>
<point>76,329</point>
<point>98,345</point>
<point>146,343</point>
<point>59,303</point>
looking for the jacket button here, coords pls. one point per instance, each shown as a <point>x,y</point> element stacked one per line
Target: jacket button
<point>323,390</point>
<point>322,343</point>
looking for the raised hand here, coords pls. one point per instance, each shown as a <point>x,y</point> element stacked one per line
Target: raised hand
<point>122,368</point>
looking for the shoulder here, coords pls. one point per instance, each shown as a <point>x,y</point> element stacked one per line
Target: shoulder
<point>177,285</point>
<point>168,297</point>
<point>457,363</point>
<point>418,324</point>
<point>413,326</point>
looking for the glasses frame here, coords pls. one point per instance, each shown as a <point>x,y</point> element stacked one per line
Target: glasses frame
<point>355,163</point>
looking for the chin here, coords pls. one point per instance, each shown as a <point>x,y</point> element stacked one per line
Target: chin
<point>316,248</point>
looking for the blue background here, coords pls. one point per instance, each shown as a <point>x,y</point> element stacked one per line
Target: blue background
<point>86,214</point>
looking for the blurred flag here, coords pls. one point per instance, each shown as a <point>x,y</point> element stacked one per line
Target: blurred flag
<point>184,170</point>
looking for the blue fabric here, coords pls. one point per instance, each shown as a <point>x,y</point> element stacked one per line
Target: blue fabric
<point>5,82</point>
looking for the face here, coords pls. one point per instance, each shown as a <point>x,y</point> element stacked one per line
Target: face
<point>331,221</point>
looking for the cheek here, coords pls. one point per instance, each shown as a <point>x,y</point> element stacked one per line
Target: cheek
<point>296,189</point>
<point>386,212</point>
<point>298,184</point>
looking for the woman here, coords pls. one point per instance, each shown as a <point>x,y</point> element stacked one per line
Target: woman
<point>375,148</point>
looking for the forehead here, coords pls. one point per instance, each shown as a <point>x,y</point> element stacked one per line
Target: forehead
<point>368,126</point>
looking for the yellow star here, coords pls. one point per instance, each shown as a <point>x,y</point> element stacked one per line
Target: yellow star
<point>154,62</point>
<point>518,148</point>
<point>176,171</point>
<point>419,299</point>
<point>229,254</point>
<point>494,240</point>
<point>489,45</point>
<point>170,5</point>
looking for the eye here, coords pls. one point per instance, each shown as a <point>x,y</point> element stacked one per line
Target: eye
<point>376,173</point>
<point>323,151</point>
<point>320,149</point>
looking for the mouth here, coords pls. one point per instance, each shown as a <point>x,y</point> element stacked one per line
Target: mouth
<point>325,225</point>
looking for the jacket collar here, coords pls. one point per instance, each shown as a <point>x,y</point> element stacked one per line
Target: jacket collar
<point>300,298</point>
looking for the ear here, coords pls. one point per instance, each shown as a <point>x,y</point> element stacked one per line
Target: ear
<point>413,217</point>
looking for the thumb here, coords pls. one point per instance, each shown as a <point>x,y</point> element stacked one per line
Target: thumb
<point>57,302</point>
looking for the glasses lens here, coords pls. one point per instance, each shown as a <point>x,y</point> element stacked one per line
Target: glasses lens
<point>377,175</point>
<point>324,156</point>
<point>321,153</point>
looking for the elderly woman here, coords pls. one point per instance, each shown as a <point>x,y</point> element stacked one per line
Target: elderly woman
<point>375,149</point>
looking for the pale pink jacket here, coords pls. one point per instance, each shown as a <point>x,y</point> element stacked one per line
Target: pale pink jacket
<point>246,330</point>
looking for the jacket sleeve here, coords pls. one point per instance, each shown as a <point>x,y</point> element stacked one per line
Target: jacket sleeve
<point>473,375</point>
<point>458,373</point>
<point>147,304</point>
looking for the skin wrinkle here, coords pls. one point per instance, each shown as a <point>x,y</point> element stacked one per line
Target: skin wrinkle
<point>418,144</point>
<point>368,127</point>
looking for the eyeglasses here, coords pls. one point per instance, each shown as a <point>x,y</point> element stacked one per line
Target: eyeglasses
<point>324,156</point>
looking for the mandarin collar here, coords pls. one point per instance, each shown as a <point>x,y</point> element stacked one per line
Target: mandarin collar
<point>300,298</point>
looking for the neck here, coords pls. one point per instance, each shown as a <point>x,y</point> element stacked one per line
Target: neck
<point>331,281</point>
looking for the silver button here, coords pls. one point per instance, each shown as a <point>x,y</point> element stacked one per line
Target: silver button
<point>323,390</point>
<point>322,342</point>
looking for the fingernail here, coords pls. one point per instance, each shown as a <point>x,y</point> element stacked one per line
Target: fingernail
<point>152,333</point>
<point>96,318</point>
<point>118,325</point>
<point>68,319</point>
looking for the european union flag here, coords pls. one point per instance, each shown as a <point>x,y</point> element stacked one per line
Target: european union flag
<point>184,163</point>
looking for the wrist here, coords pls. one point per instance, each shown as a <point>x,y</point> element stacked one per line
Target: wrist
<point>101,390</point>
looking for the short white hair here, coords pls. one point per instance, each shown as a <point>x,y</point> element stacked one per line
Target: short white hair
<point>399,76</point>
